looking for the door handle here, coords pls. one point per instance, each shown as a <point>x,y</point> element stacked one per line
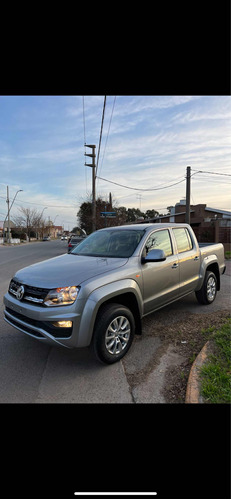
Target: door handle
<point>174,266</point>
<point>196,258</point>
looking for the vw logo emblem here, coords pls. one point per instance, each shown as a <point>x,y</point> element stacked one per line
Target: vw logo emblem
<point>20,292</point>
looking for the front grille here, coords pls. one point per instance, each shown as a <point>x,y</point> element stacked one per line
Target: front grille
<point>31,294</point>
<point>44,325</point>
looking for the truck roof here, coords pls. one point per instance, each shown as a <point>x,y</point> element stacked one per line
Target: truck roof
<point>137,227</point>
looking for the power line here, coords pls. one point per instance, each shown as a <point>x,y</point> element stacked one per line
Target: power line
<point>108,133</point>
<point>207,172</point>
<point>84,126</point>
<point>84,138</point>
<point>140,189</point>
<point>41,204</point>
<point>49,206</point>
<point>101,130</point>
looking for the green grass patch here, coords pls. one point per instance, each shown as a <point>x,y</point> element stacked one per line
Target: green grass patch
<point>216,373</point>
<point>228,254</point>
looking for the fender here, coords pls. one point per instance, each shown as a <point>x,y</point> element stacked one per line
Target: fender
<point>97,298</point>
<point>208,261</point>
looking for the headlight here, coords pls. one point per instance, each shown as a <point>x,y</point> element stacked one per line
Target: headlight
<point>62,296</point>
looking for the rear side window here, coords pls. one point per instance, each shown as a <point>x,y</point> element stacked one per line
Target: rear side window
<point>183,239</point>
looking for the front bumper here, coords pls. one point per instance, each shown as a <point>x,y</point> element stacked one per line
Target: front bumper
<point>37,321</point>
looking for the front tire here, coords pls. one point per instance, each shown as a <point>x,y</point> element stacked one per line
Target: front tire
<point>113,334</point>
<point>207,294</point>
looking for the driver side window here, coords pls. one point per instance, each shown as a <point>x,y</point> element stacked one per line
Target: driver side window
<point>159,240</point>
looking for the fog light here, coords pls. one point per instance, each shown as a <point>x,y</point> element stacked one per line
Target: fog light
<point>63,324</point>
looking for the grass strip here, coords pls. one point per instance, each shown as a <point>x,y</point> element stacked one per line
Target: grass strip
<point>216,373</point>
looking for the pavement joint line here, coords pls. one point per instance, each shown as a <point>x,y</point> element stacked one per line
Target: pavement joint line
<point>38,396</point>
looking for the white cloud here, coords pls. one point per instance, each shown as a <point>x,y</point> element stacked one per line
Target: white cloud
<point>152,139</point>
<point>138,104</point>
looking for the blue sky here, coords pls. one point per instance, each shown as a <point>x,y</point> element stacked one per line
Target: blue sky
<point>151,141</point>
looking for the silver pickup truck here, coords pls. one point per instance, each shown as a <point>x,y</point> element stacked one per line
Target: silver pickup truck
<point>98,294</point>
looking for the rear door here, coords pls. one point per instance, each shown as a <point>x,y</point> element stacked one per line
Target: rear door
<point>160,279</point>
<point>189,260</point>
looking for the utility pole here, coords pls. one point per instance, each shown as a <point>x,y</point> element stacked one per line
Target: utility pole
<point>8,212</point>
<point>110,201</point>
<point>92,165</point>
<point>8,224</point>
<point>139,196</point>
<point>188,181</point>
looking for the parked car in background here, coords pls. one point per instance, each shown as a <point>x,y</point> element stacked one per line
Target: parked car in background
<point>46,238</point>
<point>74,241</point>
<point>64,237</point>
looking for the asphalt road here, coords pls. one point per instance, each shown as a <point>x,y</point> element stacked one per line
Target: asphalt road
<point>31,372</point>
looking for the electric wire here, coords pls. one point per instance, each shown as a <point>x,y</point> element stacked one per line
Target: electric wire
<point>101,131</point>
<point>84,124</point>
<point>107,134</point>
<point>140,189</point>
<point>84,139</point>
<point>40,204</point>
<point>207,172</point>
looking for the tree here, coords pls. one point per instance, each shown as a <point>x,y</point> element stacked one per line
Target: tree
<point>133,214</point>
<point>85,215</point>
<point>150,214</point>
<point>123,215</point>
<point>78,231</point>
<point>29,221</point>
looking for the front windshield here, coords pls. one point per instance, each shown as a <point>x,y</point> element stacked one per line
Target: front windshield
<point>110,243</point>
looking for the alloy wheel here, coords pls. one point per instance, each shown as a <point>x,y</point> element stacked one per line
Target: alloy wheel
<point>211,288</point>
<point>117,335</point>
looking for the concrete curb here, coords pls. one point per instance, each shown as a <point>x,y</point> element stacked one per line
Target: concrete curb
<point>193,386</point>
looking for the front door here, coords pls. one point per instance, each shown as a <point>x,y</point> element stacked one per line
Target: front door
<point>160,279</point>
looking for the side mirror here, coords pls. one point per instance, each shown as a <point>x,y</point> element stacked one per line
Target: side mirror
<point>155,255</point>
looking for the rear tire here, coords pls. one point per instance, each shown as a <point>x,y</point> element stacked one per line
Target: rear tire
<point>113,334</point>
<point>207,294</point>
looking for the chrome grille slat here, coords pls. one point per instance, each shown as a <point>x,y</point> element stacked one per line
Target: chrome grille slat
<point>33,299</point>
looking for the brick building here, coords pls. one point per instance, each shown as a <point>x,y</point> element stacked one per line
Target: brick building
<point>210,225</point>
<point>54,231</point>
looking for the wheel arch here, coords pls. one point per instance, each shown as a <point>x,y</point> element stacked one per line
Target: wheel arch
<point>124,292</point>
<point>129,300</point>
<point>215,269</point>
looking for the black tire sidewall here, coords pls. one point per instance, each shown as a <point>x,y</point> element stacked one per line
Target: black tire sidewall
<point>105,317</point>
<point>201,294</point>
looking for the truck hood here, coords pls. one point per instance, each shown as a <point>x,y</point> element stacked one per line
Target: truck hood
<point>66,270</point>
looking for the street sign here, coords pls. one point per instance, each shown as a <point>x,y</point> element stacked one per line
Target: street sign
<point>108,214</point>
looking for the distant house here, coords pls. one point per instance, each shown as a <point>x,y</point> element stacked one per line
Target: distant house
<point>199,214</point>
<point>12,226</point>
<point>209,224</point>
<point>54,231</point>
